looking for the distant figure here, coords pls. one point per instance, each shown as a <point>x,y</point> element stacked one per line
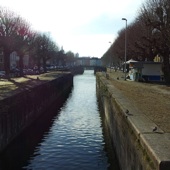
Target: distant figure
<point>38,78</point>
<point>127,111</point>
<point>155,129</point>
<point>117,78</point>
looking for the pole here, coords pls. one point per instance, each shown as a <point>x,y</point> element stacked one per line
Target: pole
<point>110,56</point>
<point>125,45</point>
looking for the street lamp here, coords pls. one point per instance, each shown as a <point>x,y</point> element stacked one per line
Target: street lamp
<point>125,44</point>
<point>110,55</point>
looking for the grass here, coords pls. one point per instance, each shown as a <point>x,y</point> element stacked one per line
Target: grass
<point>15,85</point>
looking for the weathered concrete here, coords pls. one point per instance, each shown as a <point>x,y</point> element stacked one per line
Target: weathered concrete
<point>19,110</point>
<point>137,146</point>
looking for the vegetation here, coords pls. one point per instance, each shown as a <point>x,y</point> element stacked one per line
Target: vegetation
<point>17,35</point>
<point>147,37</point>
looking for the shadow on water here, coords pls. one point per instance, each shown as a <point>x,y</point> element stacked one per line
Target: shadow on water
<point>19,152</point>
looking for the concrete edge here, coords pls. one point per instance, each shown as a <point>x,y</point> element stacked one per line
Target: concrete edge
<point>155,143</point>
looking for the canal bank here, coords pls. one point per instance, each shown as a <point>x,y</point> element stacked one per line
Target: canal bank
<point>132,133</point>
<point>22,106</point>
<point>71,139</point>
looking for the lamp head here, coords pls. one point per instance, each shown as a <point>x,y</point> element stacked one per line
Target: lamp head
<point>124,19</point>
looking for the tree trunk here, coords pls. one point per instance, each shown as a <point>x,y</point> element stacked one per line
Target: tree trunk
<point>44,64</point>
<point>21,65</point>
<point>166,68</point>
<point>39,64</point>
<point>7,62</point>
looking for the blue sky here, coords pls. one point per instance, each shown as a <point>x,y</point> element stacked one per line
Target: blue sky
<point>82,26</point>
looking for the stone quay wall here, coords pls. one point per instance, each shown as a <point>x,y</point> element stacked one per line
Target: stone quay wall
<point>19,111</point>
<point>136,149</point>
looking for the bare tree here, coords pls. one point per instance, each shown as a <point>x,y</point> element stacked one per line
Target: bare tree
<point>156,16</point>
<point>24,38</point>
<point>70,58</point>
<point>8,28</point>
<point>15,35</point>
<point>45,49</point>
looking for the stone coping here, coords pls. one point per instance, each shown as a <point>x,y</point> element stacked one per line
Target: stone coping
<point>155,143</point>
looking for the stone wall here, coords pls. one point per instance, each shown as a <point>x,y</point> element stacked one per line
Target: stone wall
<point>124,129</point>
<point>19,111</point>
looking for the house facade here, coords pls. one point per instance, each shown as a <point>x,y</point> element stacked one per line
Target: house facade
<point>14,60</point>
<point>87,61</point>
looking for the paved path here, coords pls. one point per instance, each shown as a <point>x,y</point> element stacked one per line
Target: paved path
<point>153,100</point>
<point>149,109</point>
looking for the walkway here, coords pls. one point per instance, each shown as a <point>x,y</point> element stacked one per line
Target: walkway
<point>153,100</point>
<point>149,114</point>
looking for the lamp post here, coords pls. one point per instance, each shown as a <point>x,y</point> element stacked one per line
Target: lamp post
<point>110,55</point>
<point>125,44</point>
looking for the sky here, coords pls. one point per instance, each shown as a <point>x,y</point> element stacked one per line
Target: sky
<point>82,26</point>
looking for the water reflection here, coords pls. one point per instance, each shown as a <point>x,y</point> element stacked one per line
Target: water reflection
<point>72,139</point>
<point>23,147</point>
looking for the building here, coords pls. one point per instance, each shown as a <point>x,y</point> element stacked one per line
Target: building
<point>14,60</point>
<point>145,70</point>
<point>87,61</point>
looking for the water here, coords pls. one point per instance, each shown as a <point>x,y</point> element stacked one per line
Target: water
<point>73,139</point>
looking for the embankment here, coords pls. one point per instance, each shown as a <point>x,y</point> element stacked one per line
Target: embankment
<point>20,110</point>
<point>138,147</point>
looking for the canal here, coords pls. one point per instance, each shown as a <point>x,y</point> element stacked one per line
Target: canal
<point>72,139</point>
